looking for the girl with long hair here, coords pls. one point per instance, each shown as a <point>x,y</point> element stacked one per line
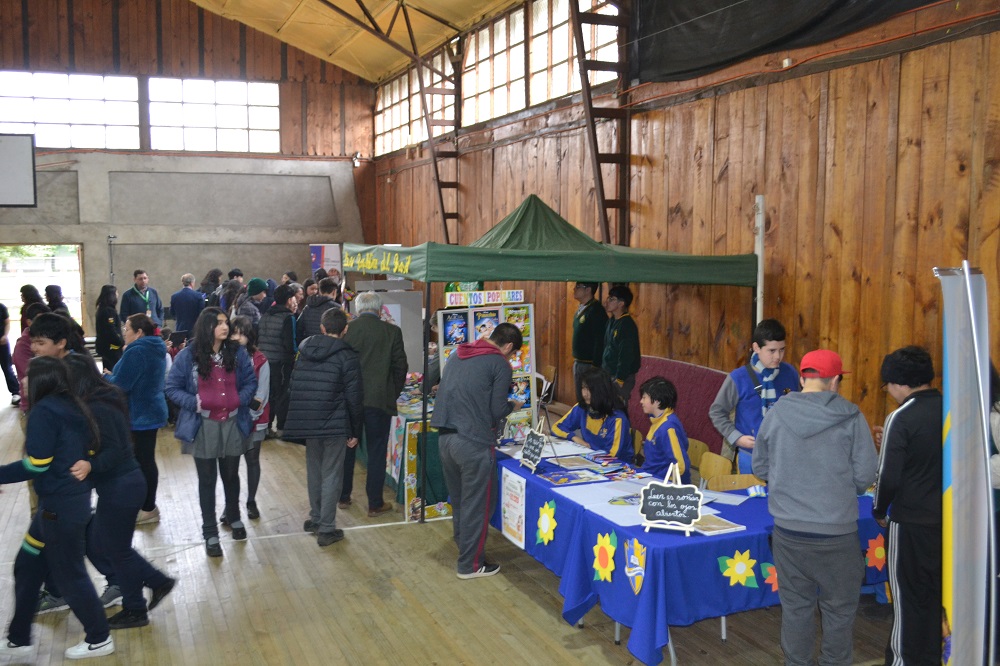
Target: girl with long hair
<point>29,295</point>
<point>121,490</point>
<point>141,374</point>
<point>109,341</point>
<point>60,432</point>
<point>213,383</point>
<point>599,422</point>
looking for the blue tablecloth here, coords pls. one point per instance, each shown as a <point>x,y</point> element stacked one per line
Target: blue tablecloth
<point>677,580</point>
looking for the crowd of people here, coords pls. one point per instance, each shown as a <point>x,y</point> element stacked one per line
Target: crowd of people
<point>260,359</point>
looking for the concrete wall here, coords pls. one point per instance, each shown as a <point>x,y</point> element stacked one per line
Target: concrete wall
<point>178,214</point>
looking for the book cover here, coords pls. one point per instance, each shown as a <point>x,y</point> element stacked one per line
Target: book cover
<point>520,389</point>
<point>716,525</point>
<point>521,360</point>
<point>456,325</point>
<point>520,316</point>
<point>484,321</point>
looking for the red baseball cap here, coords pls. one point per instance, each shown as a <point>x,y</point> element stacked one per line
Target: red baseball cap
<point>822,363</point>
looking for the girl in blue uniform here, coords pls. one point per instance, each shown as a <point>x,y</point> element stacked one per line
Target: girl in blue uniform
<point>666,442</point>
<point>598,422</point>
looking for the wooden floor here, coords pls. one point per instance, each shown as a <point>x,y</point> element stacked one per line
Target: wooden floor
<point>387,594</point>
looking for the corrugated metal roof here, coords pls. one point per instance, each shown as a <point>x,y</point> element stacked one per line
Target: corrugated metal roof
<point>316,27</point>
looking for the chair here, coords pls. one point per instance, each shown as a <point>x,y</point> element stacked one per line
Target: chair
<point>711,465</point>
<point>733,481</point>
<point>696,449</point>
<point>544,391</point>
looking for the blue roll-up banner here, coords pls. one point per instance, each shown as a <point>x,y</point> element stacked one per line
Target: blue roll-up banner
<point>969,571</point>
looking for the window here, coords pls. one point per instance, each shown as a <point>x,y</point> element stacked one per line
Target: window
<point>392,114</point>
<point>205,115</point>
<point>493,81</point>
<point>71,110</point>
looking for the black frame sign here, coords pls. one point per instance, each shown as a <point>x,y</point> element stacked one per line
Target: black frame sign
<point>531,454</point>
<point>670,506</point>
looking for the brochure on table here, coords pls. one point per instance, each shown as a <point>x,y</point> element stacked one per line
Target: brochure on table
<point>468,324</point>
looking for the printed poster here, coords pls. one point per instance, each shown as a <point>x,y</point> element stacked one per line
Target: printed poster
<point>484,321</point>
<point>456,328</point>
<point>512,507</point>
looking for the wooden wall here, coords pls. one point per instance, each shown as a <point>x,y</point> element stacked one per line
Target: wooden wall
<point>325,111</point>
<point>873,174</point>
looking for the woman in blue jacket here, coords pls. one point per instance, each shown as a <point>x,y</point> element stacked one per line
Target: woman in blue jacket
<point>60,432</point>
<point>598,422</point>
<point>140,374</point>
<point>212,381</point>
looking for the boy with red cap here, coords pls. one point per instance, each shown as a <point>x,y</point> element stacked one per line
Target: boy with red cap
<point>815,451</point>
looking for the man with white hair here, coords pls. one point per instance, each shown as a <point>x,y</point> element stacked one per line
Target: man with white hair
<point>383,374</point>
<point>186,304</point>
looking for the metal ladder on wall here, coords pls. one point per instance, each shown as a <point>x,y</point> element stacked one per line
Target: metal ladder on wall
<point>616,159</point>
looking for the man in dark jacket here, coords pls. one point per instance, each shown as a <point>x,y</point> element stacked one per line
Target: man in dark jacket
<point>276,339</point>
<point>327,411</point>
<point>622,356</point>
<point>309,318</point>
<point>141,299</point>
<point>589,323</point>
<point>383,365</point>
<point>186,304</point>
<point>908,493</point>
<point>471,401</point>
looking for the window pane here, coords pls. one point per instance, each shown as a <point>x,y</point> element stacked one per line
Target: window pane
<point>165,113</point>
<point>123,138</point>
<point>199,115</point>
<point>539,16</point>
<point>121,87</point>
<point>52,136</point>
<point>539,54</point>
<point>483,44</point>
<point>500,36</point>
<point>52,111</point>
<point>469,112</point>
<point>233,140</point>
<point>560,43</point>
<point>121,113</point>
<point>517,100</point>
<point>560,80</point>
<point>87,112</point>
<point>17,109</point>
<point>539,88</point>
<point>51,85</point>
<point>483,83</point>
<point>199,138</point>
<point>264,142</point>
<point>17,128</point>
<point>166,138</point>
<point>87,136</point>
<point>262,94</point>
<point>199,91</point>
<point>517,27</point>
<point>165,90</point>
<point>483,102</point>
<point>500,101</point>
<point>560,11</point>
<point>17,84</point>
<point>231,116</point>
<point>82,86</point>
<point>500,69</point>
<point>231,92</point>
<point>517,61</point>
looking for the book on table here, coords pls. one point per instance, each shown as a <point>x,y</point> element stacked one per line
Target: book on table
<point>715,524</point>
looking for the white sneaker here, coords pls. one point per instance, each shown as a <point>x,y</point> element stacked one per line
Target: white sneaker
<point>8,649</point>
<point>486,570</point>
<point>85,650</point>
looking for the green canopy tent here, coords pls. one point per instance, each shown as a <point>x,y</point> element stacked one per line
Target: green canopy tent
<point>535,243</point>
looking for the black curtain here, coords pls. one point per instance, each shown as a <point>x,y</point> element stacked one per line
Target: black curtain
<point>674,40</point>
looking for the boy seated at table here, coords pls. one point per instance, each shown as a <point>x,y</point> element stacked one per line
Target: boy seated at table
<point>598,422</point>
<point>666,442</point>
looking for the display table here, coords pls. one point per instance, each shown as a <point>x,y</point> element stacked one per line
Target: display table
<point>651,580</point>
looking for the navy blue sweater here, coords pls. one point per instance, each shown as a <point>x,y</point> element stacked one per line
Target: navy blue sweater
<point>115,457</point>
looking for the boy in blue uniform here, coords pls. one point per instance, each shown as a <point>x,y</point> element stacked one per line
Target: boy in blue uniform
<point>666,442</point>
<point>749,391</point>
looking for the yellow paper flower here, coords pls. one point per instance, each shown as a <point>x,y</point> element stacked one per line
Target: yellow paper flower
<point>604,556</point>
<point>739,569</point>
<point>546,523</point>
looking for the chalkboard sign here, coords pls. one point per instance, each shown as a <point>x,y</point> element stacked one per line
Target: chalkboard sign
<point>670,506</point>
<point>531,454</point>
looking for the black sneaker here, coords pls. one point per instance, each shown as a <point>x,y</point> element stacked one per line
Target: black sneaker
<point>310,526</point>
<point>239,531</point>
<point>486,570</point>
<point>128,619</point>
<point>252,512</point>
<point>213,547</point>
<point>224,520</point>
<point>324,539</point>
<point>161,592</point>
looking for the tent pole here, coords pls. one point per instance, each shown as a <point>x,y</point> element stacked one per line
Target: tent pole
<point>759,251</point>
<point>422,446</point>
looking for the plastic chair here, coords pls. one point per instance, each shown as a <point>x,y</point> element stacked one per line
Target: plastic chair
<point>712,465</point>
<point>733,482</point>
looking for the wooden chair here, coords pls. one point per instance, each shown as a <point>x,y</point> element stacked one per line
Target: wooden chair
<point>712,465</point>
<point>733,482</point>
<point>696,449</point>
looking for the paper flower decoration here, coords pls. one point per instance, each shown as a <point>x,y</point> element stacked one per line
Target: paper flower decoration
<point>604,556</point>
<point>770,574</point>
<point>739,569</point>
<point>546,523</point>
<point>875,557</point>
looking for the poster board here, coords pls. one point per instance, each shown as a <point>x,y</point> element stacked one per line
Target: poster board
<point>460,325</point>
<point>18,187</point>
<point>327,257</point>
<point>411,497</point>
